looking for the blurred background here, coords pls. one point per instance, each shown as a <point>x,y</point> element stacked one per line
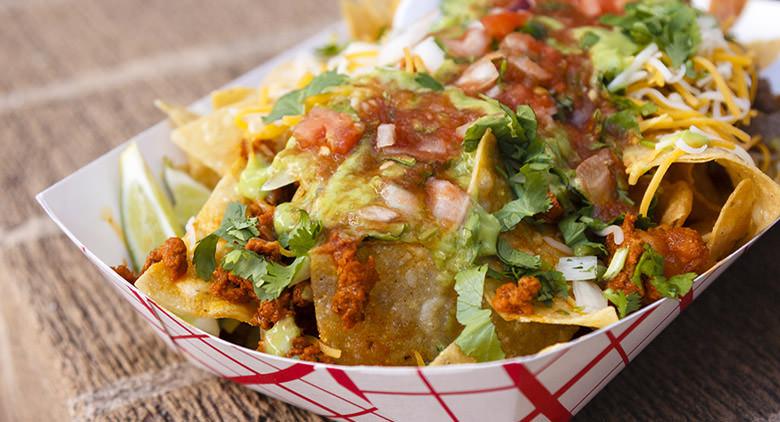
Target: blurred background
<point>79,77</point>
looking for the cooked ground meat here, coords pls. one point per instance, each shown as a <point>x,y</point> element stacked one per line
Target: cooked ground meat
<point>231,287</point>
<point>265,219</point>
<point>517,298</point>
<point>173,254</point>
<point>266,248</point>
<point>304,348</point>
<point>125,273</point>
<point>355,280</point>
<point>683,250</point>
<point>634,243</point>
<point>272,311</point>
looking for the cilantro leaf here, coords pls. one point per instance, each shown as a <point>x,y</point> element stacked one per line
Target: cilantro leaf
<point>330,49</point>
<point>671,24</point>
<point>303,236</point>
<point>278,277</point>
<point>651,265</point>
<point>203,257</point>
<point>625,304</point>
<point>573,230</point>
<point>245,264</point>
<point>478,338</point>
<point>531,199</point>
<point>427,81</point>
<point>515,258</point>
<point>674,287</point>
<point>553,284</point>
<point>236,228</point>
<point>291,104</point>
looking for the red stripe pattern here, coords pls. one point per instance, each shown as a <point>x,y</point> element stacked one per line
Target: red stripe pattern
<point>553,386</point>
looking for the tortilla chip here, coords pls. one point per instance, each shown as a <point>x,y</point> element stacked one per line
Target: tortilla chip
<point>452,355</point>
<point>368,19</point>
<point>563,313</point>
<point>487,187</point>
<point>526,338</point>
<point>179,115</point>
<point>209,218</point>
<point>407,309</point>
<point>675,203</point>
<point>733,224</point>
<point>765,209</point>
<point>228,96</point>
<point>189,296</point>
<point>214,139</point>
<point>727,11</point>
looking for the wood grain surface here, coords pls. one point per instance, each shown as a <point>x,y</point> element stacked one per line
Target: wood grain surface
<point>79,77</point>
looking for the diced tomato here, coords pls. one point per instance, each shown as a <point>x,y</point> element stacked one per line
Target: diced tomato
<point>539,100</point>
<point>425,123</point>
<point>499,25</point>
<point>325,127</point>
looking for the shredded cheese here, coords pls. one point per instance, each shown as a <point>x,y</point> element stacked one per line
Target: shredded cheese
<point>728,96</point>
<point>655,182</point>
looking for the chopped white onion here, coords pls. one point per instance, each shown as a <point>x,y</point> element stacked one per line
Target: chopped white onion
<point>588,296</point>
<point>479,75</point>
<point>558,245</point>
<point>385,135</point>
<point>447,202</point>
<point>430,53</point>
<point>742,154</point>
<point>400,199</point>
<point>578,267</point>
<point>460,131</point>
<point>377,213</point>
<point>616,232</point>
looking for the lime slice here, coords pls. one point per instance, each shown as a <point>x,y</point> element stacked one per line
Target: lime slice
<point>147,214</point>
<point>188,194</point>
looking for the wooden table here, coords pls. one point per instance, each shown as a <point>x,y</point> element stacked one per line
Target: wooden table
<point>79,77</point>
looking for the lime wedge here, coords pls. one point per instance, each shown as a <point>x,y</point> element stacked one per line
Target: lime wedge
<point>188,194</point>
<point>147,214</point>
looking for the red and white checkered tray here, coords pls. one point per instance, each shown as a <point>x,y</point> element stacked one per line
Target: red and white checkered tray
<point>550,386</point>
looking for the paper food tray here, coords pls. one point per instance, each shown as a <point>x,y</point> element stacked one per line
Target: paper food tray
<point>549,386</point>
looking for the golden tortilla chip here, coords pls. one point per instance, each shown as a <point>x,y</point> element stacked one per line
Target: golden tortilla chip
<point>452,355</point>
<point>407,310</point>
<point>733,224</point>
<point>765,208</point>
<point>368,19</point>
<point>526,338</point>
<point>675,203</point>
<point>179,115</point>
<point>228,96</point>
<point>214,139</point>
<point>189,296</point>
<point>486,186</point>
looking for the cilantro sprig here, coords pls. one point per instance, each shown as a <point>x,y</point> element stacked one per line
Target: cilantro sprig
<point>672,25</point>
<point>268,278</point>
<point>625,303</point>
<point>291,104</point>
<point>651,266</point>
